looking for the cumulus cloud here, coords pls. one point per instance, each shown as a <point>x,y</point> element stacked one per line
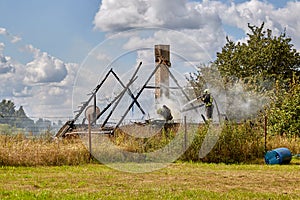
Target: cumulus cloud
<point>5,65</point>
<point>117,15</point>
<point>191,45</point>
<point>44,85</point>
<point>288,18</point>
<point>253,12</point>
<point>208,17</point>
<point>11,76</point>
<point>22,92</point>
<point>44,68</point>
<point>69,79</point>
<point>46,101</point>
<point>5,62</point>
<point>50,99</point>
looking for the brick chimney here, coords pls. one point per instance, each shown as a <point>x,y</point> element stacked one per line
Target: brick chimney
<point>162,55</point>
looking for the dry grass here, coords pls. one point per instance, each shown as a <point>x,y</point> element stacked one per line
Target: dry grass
<point>236,144</point>
<point>293,144</point>
<point>20,151</point>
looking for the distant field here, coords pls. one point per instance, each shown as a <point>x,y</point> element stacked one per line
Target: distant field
<point>178,181</point>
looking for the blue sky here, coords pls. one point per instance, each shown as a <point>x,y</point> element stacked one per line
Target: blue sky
<point>57,27</point>
<point>43,43</point>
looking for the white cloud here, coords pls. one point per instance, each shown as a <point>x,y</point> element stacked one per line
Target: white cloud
<point>255,12</point>
<point>24,92</point>
<point>11,76</point>
<point>205,19</point>
<point>2,46</point>
<point>3,31</point>
<point>35,51</point>
<point>47,101</point>
<point>44,69</point>
<point>117,15</point>
<point>69,79</point>
<point>288,18</point>
<point>103,57</point>
<point>5,65</point>
<point>43,86</point>
<point>189,44</point>
<point>56,91</point>
<point>124,12</point>
<point>52,99</point>
<point>13,38</point>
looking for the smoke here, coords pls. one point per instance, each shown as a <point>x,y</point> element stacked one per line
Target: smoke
<point>237,102</point>
<point>172,104</point>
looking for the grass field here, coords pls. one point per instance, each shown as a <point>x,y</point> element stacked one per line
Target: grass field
<point>177,181</point>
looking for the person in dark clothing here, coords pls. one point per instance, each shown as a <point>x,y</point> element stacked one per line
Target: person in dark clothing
<point>165,112</point>
<point>208,101</point>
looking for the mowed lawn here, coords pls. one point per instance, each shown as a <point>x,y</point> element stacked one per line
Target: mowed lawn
<point>177,181</point>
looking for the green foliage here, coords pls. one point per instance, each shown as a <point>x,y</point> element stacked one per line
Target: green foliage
<point>13,117</point>
<point>239,143</point>
<point>263,57</point>
<point>263,68</point>
<point>237,99</point>
<point>284,112</point>
<point>9,130</point>
<point>19,121</point>
<point>177,181</point>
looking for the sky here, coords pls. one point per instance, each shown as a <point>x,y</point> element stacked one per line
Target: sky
<point>51,51</point>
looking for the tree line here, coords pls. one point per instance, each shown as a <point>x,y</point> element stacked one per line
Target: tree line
<point>17,118</point>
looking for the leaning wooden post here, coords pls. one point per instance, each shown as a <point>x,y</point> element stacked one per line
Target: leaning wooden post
<point>90,137</point>
<point>95,109</point>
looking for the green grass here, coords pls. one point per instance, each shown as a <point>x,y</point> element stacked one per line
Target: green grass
<point>177,181</point>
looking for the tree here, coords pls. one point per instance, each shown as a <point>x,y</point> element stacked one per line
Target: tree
<point>262,60</point>
<point>233,98</point>
<point>21,119</point>
<point>13,117</point>
<point>264,67</point>
<point>7,110</point>
<point>284,112</point>
<point>269,64</point>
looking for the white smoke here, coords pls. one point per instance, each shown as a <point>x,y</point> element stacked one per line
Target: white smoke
<point>238,103</point>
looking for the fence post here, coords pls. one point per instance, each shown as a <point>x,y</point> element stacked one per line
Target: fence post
<point>265,131</point>
<point>185,134</point>
<point>90,137</point>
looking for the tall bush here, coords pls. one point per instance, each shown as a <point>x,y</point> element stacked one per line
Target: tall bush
<point>284,111</point>
<point>237,143</point>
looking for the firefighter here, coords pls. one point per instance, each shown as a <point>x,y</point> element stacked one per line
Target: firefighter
<point>165,112</point>
<point>208,101</point>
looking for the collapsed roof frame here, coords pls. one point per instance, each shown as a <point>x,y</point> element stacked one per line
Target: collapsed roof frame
<point>71,123</point>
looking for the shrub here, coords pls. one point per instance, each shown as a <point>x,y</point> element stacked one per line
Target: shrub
<point>240,143</point>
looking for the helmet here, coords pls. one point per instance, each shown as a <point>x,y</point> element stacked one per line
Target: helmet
<point>206,91</point>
